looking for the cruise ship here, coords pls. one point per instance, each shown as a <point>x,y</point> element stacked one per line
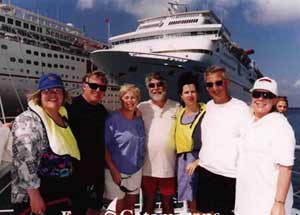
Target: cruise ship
<point>175,43</point>
<point>31,45</point>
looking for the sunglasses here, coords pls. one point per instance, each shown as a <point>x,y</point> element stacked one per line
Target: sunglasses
<point>95,86</point>
<point>125,189</point>
<point>217,83</point>
<point>158,84</point>
<point>265,95</point>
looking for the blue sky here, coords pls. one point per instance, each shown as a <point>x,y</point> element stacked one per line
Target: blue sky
<point>270,27</point>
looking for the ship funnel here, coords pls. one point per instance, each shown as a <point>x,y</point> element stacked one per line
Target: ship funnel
<point>249,51</point>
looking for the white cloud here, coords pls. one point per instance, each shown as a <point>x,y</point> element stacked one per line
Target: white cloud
<point>256,11</point>
<point>296,84</point>
<point>85,4</point>
<point>272,11</point>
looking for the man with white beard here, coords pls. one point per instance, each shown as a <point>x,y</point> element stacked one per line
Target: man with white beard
<point>159,166</point>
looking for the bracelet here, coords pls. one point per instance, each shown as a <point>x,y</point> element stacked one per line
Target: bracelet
<point>280,202</point>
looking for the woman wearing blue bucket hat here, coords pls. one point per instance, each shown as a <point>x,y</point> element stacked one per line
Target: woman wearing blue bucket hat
<point>44,149</point>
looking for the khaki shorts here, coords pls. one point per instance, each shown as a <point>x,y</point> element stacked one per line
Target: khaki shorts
<point>131,183</point>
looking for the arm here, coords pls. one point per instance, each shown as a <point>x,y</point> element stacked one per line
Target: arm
<point>190,168</point>
<point>109,162</point>
<point>283,184</point>
<point>112,167</point>
<point>27,141</point>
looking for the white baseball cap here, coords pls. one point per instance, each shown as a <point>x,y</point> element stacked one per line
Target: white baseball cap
<point>265,83</point>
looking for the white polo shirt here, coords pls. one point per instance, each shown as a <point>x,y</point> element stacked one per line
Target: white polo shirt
<point>266,143</point>
<point>220,135</point>
<point>160,156</point>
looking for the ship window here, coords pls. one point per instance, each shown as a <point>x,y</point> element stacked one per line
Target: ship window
<point>43,64</point>
<point>21,70</point>
<point>67,57</point>
<point>28,61</point>
<point>32,27</point>
<point>49,55</point>
<point>61,56</point>
<point>25,25</point>
<point>20,60</point>
<point>61,66</point>
<point>49,65</point>
<point>12,59</point>
<point>73,68</point>
<point>78,59</point>
<point>82,59</point>
<point>72,58</point>
<point>67,67</point>
<point>27,71</point>
<point>28,51</point>
<point>36,63</point>
<point>43,54</point>
<point>55,55</point>
<point>40,29</point>
<point>36,72</point>
<point>10,21</point>
<point>4,46</point>
<point>55,66</point>
<point>36,53</point>
<point>2,18</point>
<point>18,23</point>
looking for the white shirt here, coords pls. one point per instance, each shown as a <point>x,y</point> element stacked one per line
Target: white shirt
<point>266,143</point>
<point>160,156</point>
<point>220,135</point>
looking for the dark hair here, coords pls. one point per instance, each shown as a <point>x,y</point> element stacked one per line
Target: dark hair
<point>187,78</point>
<point>283,98</point>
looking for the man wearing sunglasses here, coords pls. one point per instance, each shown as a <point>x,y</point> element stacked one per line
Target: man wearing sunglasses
<point>220,132</point>
<point>159,168</point>
<point>87,120</point>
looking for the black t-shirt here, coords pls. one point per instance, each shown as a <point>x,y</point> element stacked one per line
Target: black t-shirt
<point>88,125</point>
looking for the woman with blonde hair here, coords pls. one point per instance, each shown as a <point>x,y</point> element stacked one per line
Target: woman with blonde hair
<point>125,142</point>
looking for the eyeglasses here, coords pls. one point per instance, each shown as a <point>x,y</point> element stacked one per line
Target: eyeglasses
<point>265,95</point>
<point>217,83</point>
<point>125,189</point>
<point>53,91</point>
<point>95,86</point>
<point>158,84</point>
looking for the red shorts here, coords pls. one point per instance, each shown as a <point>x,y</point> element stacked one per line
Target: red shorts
<point>166,186</point>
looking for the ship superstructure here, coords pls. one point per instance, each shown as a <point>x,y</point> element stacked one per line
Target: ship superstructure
<point>179,42</point>
<point>31,45</point>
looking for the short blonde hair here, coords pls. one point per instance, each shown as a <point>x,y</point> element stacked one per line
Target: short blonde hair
<point>95,73</point>
<point>214,69</point>
<point>130,87</point>
<point>36,97</point>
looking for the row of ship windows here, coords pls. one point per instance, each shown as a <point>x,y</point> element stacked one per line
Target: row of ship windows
<point>184,34</point>
<point>19,24</point>
<point>186,21</point>
<point>27,71</point>
<point>37,63</point>
<point>36,53</point>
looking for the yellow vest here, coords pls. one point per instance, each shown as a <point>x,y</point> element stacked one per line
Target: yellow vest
<point>61,140</point>
<point>183,133</point>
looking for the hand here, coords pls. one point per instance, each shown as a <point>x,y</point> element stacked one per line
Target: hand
<point>37,203</point>
<point>190,168</point>
<point>116,176</point>
<point>278,209</point>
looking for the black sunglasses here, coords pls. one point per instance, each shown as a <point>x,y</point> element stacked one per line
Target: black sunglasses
<point>158,84</point>
<point>217,83</point>
<point>125,189</point>
<point>95,86</point>
<point>265,95</point>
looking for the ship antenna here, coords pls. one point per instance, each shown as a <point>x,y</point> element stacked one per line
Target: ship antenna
<point>174,7</point>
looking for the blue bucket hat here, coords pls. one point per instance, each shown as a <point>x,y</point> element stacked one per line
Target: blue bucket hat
<point>50,80</point>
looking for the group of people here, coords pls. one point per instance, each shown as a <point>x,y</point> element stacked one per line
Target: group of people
<point>222,157</point>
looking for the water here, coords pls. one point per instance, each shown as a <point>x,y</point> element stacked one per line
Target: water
<point>294,119</point>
